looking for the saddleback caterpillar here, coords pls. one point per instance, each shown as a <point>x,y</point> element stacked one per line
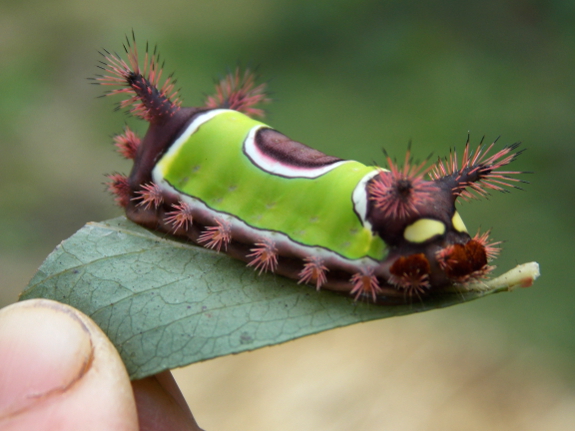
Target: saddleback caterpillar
<point>215,176</point>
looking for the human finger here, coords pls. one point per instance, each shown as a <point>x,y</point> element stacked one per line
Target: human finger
<point>58,371</point>
<point>161,405</point>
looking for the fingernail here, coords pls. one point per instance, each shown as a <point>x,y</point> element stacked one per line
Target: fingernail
<point>44,350</point>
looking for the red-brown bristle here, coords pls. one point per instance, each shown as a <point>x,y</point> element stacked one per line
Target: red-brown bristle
<point>399,192</point>
<point>313,272</point>
<point>492,249</point>
<point>120,188</point>
<point>478,173</point>
<point>365,283</point>
<point>181,217</point>
<point>127,143</point>
<point>216,237</point>
<point>238,91</point>
<point>150,196</point>
<point>146,97</point>
<point>411,273</point>
<point>465,262</point>
<point>264,256</point>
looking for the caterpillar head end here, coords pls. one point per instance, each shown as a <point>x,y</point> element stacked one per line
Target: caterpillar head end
<point>430,246</point>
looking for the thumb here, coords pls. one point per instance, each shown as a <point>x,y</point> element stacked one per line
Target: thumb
<point>58,371</point>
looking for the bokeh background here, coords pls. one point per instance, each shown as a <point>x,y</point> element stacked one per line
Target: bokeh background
<point>349,77</point>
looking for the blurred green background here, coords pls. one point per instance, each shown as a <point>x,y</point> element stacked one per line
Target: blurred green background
<point>348,77</point>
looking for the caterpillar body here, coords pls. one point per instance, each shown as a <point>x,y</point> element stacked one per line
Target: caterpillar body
<point>221,179</point>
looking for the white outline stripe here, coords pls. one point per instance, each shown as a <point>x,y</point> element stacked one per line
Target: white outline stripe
<point>359,198</point>
<point>190,130</point>
<point>276,167</point>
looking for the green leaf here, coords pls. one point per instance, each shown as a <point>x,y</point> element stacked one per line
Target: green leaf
<point>166,304</point>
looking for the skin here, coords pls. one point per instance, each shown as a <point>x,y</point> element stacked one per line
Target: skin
<point>58,371</point>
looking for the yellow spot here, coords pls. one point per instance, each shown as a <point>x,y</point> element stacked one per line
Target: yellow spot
<point>423,230</point>
<point>457,223</point>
